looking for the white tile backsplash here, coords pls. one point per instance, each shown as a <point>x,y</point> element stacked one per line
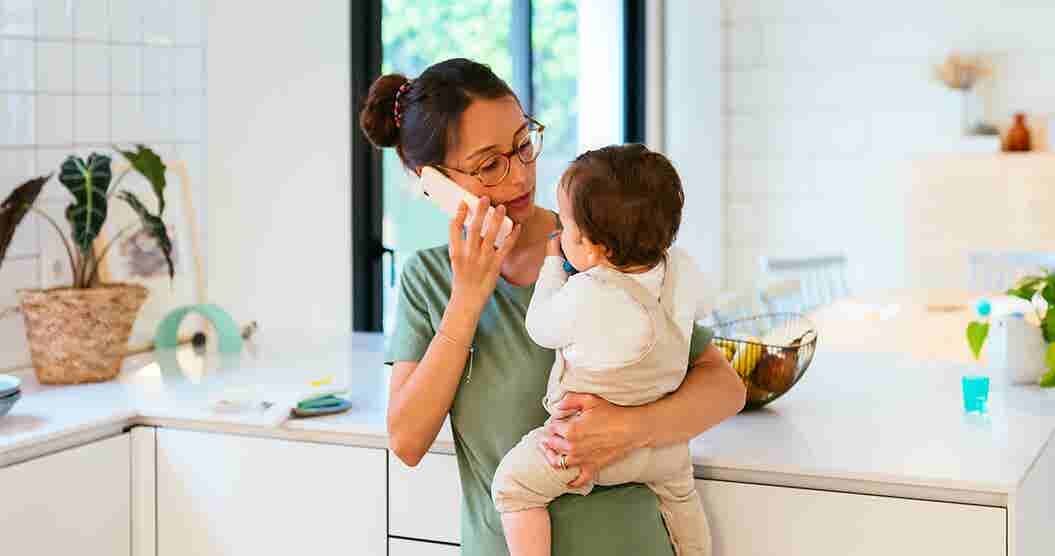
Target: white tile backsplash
<point>16,59</point>
<point>92,123</point>
<point>16,166</point>
<point>55,18</point>
<point>127,118</point>
<point>125,69</point>
<point>54,67</point>
<point>16,274</point>
<point>17,17</point>
<point>17,111</point>
<point>54,120</point>
<point>158,62</point>
<point>126,21</point>
<point>186,69</point>
<point>92,75</point>
<point>92,19</point>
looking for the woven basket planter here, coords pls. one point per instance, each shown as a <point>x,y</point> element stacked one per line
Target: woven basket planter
<point>80,335</point>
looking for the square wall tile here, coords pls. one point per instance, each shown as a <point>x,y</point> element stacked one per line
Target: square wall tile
<point>158,24</point>
<point>17,113</point>
<point>92,19</point>
<point>16,59</point>
<point>92,119</point>
<point>15,275</point>
<point>159,119</point>
<point>126,20</point>
<point>55,18</point>
<point>49,161</point>
<point>93,68</point>
<point>126,65</point>
<point>187,118</point>
<point>54,119</point>
<point>127,119</point>
<point>16,166</point>
<point>54,263</point>
<point>55,67</point>
<point>157,69</point>
<point>188,22</point>
<point>186,69</point>
<point>18,17</point>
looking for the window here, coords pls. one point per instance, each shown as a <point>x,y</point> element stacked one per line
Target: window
<point>554,53</point>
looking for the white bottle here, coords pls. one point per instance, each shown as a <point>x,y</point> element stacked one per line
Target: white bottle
<point>1017,348</point>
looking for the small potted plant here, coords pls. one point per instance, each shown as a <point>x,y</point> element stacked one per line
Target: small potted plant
<point>79,333</point>
<point>1038,290</point>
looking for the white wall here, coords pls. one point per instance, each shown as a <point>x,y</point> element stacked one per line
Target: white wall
<point>826,101</point>
<point>279,225</point>
<point>77,77</point>
<point>693,124</point>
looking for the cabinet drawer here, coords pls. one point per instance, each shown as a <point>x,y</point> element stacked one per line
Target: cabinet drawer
<point>424,502</point>
<point>756,519</point>
<point>403,547</point>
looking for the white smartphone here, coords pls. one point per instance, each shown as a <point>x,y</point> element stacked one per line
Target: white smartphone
<point>447,195</point>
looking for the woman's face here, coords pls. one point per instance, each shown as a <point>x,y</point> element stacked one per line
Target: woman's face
<point>487,128</point>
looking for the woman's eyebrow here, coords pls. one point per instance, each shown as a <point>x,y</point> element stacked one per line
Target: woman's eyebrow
<point>481,150</point>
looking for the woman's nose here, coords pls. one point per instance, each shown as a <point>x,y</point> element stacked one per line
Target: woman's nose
<point>517,172</point>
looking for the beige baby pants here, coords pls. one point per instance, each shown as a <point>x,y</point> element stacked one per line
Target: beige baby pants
<point>526,480</point>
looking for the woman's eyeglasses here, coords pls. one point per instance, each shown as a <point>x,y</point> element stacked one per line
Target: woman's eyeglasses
<point>495,168</point>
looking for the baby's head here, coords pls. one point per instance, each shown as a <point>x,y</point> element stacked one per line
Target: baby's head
<point>620,206</point>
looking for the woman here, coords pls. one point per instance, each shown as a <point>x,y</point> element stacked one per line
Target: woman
<point>460,346</point>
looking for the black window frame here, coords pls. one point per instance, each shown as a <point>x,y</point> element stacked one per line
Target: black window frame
<point>366,55</point>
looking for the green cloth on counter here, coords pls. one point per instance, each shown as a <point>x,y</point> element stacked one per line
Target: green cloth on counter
<point>501,403</point>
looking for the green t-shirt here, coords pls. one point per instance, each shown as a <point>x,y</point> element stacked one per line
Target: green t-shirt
<point>502,401</point>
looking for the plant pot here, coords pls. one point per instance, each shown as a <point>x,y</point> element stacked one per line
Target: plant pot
<point>80,335</point>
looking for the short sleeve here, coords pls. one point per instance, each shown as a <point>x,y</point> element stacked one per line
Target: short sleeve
<point>413,326</point>
<point>701,338</point>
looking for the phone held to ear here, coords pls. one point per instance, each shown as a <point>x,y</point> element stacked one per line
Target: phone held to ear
<point>446,194</point>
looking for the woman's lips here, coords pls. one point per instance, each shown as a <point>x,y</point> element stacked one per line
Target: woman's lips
<point>519,202</point>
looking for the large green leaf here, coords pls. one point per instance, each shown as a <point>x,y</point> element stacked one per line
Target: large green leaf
<point>14,209</point>
<point>150,166</point>
<point>88,181</point>
<point>1047,325</point>
<point>1048,380</point>
<point>976,334</point>
<point>153,226</point>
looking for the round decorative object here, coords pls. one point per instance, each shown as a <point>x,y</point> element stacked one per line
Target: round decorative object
<point>228,335</point>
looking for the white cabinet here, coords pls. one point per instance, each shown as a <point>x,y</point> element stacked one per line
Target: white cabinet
<point>71,502</point>
<point>755,519</point>
<point>424,502</point>
<point>404,547</point>
<point>233,495</point>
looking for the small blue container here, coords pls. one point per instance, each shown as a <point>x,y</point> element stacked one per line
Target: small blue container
<point>975,393</point>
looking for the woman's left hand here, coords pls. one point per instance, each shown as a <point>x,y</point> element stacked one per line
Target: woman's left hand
<point>591,432</point>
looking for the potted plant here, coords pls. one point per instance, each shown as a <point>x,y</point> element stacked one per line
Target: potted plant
<point>79,333</point>
<point>1039,290</point>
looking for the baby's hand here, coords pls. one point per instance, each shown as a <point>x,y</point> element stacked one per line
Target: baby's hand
<point>553,247</point>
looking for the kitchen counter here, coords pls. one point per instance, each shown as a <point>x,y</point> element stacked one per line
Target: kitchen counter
<point>870,423</point>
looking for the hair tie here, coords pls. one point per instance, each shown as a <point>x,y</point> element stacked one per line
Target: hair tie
<point>396,113</point>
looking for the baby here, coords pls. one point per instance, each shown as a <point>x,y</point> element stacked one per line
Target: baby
<point>621,328</point>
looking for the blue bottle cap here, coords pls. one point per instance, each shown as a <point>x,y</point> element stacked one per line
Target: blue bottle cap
<point>984,307</point>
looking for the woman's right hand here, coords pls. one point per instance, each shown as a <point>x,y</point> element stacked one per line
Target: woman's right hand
<point>475,260</point>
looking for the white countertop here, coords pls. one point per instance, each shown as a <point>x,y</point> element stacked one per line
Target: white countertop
<point>857,422</point>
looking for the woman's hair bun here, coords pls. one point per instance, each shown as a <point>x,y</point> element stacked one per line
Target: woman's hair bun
<point>377,118</point>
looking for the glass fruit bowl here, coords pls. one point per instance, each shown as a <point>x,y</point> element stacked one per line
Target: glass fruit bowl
<point>770,353</point>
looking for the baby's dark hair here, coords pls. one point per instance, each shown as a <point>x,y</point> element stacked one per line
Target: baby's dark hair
<point>627,199</point>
